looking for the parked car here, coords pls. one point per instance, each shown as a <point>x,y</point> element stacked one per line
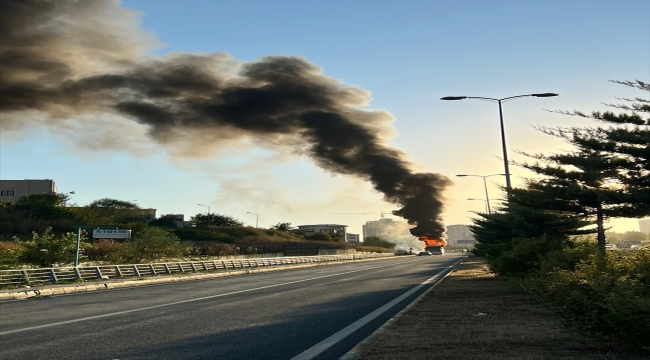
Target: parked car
<point>424,253</point>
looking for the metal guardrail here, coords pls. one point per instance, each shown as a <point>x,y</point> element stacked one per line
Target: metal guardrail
<point>55,275</point>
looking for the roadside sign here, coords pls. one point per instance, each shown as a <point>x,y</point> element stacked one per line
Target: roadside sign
<point>111,234</point>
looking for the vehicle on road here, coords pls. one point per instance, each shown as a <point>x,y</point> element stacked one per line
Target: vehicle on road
<point>435,249</point>
<point>424,253</point>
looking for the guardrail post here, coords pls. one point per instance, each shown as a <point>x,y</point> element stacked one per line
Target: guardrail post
<point>153,270</point>
<point>205,267</point>
<point>225,265</point>
<point>98,271</point>
<point>25,276</point>
<point>214,265</point>
<point>192,265</point>
<point>167,269</point>
<point>241,264</point>
<point>136,271</point>
<point>77,272</point>
<point>53,278</point>
<point>118,271</point>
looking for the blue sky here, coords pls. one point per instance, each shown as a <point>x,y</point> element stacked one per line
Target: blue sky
<point>408,54</point>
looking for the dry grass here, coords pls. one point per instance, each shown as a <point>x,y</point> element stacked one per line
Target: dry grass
<point>443,325</point>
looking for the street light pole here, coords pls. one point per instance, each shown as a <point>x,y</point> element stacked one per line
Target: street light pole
<point>505,152</point>
<point>487,198</point>
<point>257,217</point>
<point>503,131</point>
<point>208,206</point>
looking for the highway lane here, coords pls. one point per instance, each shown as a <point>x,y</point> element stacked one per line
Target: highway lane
<point>275,315</point>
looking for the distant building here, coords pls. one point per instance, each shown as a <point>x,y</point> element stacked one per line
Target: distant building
<point>12,190</point>
<point>644,225</point>
<point>383,227</point>
<point>179,220</point>
<point>460,236</point>
<point>352,238</point>
<point>332,229</point>
<point>142,214</point>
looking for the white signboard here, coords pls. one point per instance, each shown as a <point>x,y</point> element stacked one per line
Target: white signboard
<point>111,234</point>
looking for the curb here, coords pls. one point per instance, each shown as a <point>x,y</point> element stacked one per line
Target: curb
<point>44,290</point>
<point>357,352</point>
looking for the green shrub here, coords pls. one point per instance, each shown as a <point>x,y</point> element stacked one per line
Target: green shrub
<point>211,248</point>
<point>102,250</point>
<point>48,249</point>
<point>10,254</point>
<point>151,244</point>
<point>201,234</point>
<point>608,297</point>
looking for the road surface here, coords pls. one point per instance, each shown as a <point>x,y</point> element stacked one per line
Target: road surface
<point>311,313</point>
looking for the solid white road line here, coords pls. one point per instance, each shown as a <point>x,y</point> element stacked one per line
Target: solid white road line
<point>182,301</point>
<point>319,348</point>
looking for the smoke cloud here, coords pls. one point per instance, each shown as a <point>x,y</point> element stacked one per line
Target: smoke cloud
<point>73,58</point>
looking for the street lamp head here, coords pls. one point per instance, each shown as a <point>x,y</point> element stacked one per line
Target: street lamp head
<point>462,175</point>
<point>453,98</point>
<point>544,95</point>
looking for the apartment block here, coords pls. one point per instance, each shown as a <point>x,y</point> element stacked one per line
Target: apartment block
<point>460,236</point>
<point>12,190</point>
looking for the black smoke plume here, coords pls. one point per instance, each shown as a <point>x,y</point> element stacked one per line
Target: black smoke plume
<point>66,58</point>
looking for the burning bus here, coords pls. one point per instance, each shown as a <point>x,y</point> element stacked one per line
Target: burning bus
<point>434,246</point>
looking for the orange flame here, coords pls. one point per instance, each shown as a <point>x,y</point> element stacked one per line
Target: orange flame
<point>429,241</point>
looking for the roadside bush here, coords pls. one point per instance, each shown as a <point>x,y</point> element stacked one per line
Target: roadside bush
<point>210,248</point>
<point>608,297</point>
<point>569,257</point>
<point>48,250</point>
<point>378,241</point>
<point>10,254</point>
<point>201,234</point>
<point>102,250</point>
<point>522,259</point>
<point>151,244</point>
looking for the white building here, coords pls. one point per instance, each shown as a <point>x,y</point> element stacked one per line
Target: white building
<point>644,225</point>
<point>12,190</point>
<point>352,238</point>
<point>460,236</point>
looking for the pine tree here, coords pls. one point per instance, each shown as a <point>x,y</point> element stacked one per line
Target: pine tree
<point>608,176</point>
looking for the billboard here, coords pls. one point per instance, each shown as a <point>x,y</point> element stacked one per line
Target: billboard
<point>111,234</point>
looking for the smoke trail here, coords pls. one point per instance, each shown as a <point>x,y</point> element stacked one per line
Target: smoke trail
<point>71,58</point>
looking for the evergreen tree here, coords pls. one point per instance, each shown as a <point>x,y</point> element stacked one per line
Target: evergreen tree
<point>215,220</point>
<point>608,176</point>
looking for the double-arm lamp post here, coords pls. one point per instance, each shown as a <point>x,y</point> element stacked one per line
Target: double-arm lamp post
<point>487,198</point>
<point>503,132</point>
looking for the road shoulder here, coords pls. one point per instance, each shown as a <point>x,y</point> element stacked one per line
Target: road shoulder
<point>474,315</point>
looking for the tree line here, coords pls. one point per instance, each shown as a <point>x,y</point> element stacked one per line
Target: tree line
<point>40,230</point>
<point>550,235</point>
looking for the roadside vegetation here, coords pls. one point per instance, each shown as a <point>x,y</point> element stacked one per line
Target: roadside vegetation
<point>40,230</point>
<point>550,235</point>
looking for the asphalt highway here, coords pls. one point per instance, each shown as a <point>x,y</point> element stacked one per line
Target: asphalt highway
<point>311,313</point>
